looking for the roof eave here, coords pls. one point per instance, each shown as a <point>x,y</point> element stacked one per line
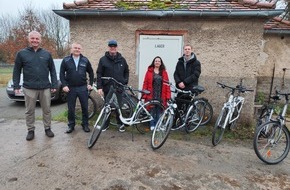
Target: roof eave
<point>168,13</point>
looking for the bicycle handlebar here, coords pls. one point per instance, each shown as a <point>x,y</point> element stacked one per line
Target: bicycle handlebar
<point>240,88</point>
<point>177,89</point>
<point>283,94</point>
<point>126,87</point>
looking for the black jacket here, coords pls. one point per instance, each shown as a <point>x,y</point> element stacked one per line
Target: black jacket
<point>115,67</point>
<point>189,75</point>
<point>71,76</point>
<point>36,69</point>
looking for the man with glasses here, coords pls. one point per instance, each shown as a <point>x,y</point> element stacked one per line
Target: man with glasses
<point>114,65</point>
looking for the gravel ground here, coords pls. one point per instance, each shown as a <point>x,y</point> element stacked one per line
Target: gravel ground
<point>116,162</point>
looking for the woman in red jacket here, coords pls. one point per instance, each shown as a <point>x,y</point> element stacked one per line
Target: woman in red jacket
<point>153,82</point>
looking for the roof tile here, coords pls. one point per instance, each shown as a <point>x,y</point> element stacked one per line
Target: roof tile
<point>276,23</point>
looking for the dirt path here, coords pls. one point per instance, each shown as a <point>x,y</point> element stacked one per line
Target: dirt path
<point>117,162</point>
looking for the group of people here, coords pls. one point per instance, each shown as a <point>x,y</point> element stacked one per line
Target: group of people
<point>37,66</point>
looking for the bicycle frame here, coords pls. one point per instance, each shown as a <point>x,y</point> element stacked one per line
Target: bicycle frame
<point>133,119</point>
<point>231,105</point>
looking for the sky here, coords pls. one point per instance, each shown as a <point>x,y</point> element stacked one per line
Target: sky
<point>12,7</point>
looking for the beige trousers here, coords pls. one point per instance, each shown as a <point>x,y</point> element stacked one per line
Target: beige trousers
<point>31,96</point>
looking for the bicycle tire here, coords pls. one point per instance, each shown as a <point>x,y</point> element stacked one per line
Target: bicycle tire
<point>98,126</point>
<point>127,109</point>
<point>162,129</point>
<point>218,130</point>
<point>270,146</point>
<point>194,116</point>
<point>208,112</point>
<point>92,108</point>
<point>235,114</point>
<point>141,115</point>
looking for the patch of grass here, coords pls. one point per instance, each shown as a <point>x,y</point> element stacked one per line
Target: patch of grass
<point>4,78</point>
<point>62,117</point>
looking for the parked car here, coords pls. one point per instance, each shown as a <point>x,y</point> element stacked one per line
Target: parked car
<point>59,95</point>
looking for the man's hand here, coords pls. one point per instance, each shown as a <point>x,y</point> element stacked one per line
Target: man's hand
<point>89,87</point>
<point>53,90</point>
<point>101,93</point>
<point>181,85</point>
<point>65,89</point>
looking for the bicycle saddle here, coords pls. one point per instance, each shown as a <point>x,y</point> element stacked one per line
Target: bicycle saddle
<point>197,89</point>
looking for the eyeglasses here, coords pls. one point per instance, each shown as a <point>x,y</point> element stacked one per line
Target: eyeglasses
<point>112,46</point>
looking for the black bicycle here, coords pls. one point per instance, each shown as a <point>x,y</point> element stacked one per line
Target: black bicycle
<point>189,115</point>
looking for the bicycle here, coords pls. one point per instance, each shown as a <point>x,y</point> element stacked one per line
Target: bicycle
<point>272,139</point>
<point>230,112</point>
<point>142,112</point>
<point>92,104</point>
<point>189,115</point>
<point>267,110</point>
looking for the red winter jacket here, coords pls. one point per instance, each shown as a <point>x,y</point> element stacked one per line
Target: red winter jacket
<point>148,85</point>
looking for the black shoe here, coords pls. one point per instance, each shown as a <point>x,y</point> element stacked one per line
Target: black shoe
<point>49,133</point>
<point>105,128</point>
<point>86,129</point>
<point>70,129</point>
<point>30,135</point>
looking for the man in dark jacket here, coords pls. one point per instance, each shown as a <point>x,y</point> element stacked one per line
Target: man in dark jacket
<point>37,64</point>
<point>186,74</point>
<point>187,70</point>
<point>114,65</point>
<point>73,76</point>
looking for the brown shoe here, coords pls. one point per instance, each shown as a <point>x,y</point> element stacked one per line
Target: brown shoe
<point>30,135</point>
<point>49,133</point>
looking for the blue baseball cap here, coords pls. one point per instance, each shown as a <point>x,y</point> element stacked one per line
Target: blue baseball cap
<point>112,43</point>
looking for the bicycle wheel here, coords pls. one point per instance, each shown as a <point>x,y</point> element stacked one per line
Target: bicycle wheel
<point>208,112</point>
<point>235,114</point>
<point>92,108</point>
<point>219,127</point>
<point>271,142</point>
<point>162,129</point>
<point>194,116</point>
<point>155,108</point>
<point>127,109</point>
<point>98,127</point>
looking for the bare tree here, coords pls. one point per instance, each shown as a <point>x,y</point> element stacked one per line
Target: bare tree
<point>7,22</point>
<point>57,29</point>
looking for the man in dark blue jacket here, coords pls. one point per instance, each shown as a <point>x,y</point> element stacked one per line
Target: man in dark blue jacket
<point>114,65</point>
<point>37,64</point>
<point>73,76</point>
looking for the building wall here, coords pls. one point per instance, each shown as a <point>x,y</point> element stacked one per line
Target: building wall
<point>228,49</point>
<point>271,73</point>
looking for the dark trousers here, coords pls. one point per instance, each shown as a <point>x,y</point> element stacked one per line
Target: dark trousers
<point>80,92</point>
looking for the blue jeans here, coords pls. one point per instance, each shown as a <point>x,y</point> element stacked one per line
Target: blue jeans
<point>155,112</point>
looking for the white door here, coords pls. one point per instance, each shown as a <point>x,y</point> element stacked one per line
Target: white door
<point>169,48</point>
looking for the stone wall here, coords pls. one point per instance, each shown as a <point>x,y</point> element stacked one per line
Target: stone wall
<point>228,49</point>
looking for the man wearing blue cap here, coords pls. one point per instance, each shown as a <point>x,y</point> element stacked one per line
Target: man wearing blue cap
<point>114,65</point>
